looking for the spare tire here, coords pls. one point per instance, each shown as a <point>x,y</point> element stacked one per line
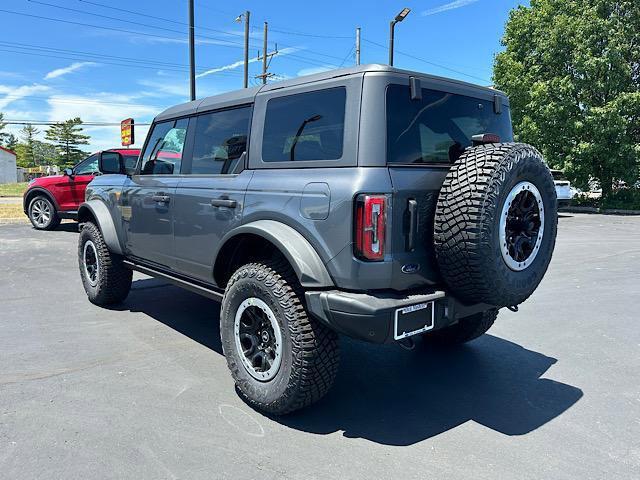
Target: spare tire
<point>495,224</point>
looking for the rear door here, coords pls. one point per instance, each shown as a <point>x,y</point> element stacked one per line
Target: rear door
<point>149,195</point>
<point>209,200</point>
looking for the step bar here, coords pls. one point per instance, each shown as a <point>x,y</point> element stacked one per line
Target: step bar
<point>209,292</point>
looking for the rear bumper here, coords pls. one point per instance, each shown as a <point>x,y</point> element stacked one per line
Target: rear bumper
<point>371,316</point>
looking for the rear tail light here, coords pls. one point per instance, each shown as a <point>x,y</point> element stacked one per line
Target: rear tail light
<point>370,226</point>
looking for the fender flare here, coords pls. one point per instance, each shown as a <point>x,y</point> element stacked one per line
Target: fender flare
<point>100,212</point>
<point>38,191</point>
<point>300,254</point>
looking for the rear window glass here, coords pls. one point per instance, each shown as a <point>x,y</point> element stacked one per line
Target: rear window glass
<point>305,126</point>
<point>439,127</point>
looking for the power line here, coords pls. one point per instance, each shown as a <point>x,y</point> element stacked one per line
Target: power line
<point>126,65</point>
<point>114,29</point>
<point>53,122</point>
<point>84,12</point>
<point>80,102</point>
<point>180,23</point>
<point>428,62</point>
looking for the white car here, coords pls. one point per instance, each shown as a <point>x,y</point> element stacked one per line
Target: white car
<point>564,192</point>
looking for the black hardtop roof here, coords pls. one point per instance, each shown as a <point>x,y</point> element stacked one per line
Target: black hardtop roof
<point>247,95</point>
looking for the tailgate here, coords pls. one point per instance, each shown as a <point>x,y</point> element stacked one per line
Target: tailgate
<point>415,193</point>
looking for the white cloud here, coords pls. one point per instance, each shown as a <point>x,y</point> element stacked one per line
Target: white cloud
<point>59,72</point>
<point>448,6</point>
<point>13,94</point>
<point>103,107</point>
<point>239,63</point>
<point>177,88</point>
<point>312,70</point>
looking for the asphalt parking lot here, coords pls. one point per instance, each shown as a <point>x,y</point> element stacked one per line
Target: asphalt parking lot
<point>142,390</point>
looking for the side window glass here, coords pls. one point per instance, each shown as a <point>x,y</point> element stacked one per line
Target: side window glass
<point>163,153</point>
<point>305,126</point>
<point>220,140</point>
<point>88,166</point>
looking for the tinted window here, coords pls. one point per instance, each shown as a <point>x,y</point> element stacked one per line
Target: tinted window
<point>163,153</point>
<point>220,140</point>
<point>306,126</point>
<point>130,162</point>
<point>439,127</point>
<point>88,166</point>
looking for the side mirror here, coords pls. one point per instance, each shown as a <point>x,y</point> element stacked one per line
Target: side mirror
<point>68,172</point>
<point>111,162</point>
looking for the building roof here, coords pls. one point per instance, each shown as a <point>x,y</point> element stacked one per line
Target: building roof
<point>7,150</point>
<point>247,95</point>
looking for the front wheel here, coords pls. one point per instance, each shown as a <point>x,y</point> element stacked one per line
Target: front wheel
<point>281,359</point>
<point>42,213</point>
<point>105,278</point>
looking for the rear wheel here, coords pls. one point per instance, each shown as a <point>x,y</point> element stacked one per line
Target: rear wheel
<point>105,278</point>
<point>281,359</point>
<point>42,213</point>
<point>467,329</point>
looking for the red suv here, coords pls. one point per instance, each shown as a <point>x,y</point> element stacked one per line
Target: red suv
<point>50,199</point>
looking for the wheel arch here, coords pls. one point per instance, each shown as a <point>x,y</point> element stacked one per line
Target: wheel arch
<point>261,239</point>
<point>34,192</point>
<point>97,212</point>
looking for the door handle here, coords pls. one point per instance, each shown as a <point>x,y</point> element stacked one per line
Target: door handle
<point>413,224</point>
<point>160,198</point>
<point>224,202</point>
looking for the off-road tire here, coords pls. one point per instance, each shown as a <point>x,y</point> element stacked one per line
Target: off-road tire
<point>114,279</point>
<point>54,219</point>
<point>467,329</point>
<point>467,220</point>
<point>310,354</point>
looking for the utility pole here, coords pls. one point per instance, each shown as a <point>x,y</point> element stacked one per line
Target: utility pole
<point>247,16</point>
<point>264,54</point>
<point>266,57</point>
<point>192,52</point>
<point>400,17</point>
<point>358,46</point>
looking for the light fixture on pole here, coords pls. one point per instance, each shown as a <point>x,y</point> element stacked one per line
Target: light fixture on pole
<point>400,17</point>
<point>246,15</point>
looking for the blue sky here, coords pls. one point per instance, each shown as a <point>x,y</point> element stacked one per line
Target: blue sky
<point>105,60</point>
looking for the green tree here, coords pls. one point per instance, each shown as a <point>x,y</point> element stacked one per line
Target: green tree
<point>11,141</point>
<point>45,153</point>
<point>3,135</point>
<point>572,71</point>
<point>67,136</point>
<point>28,134</point>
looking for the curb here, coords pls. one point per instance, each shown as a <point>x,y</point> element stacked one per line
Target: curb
<point>603,211</point>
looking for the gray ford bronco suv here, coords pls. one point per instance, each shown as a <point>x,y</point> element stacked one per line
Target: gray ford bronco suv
<point>371,202</point>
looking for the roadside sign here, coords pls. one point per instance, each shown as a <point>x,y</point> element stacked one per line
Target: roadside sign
<point>126,132</point>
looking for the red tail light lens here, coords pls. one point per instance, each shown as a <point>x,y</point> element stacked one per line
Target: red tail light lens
<point>370,226</point>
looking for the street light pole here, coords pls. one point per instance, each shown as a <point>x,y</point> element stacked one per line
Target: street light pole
<point>264,55</point>
<point>358,46</point>
<point>192,52</point>
<point>247,16</point>
<point>392,25</point>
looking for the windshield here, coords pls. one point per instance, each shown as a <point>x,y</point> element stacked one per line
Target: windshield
<point>439,127</point>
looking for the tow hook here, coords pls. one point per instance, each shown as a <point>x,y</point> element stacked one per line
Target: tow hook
<point>407,343</point>
<point>513,308</point>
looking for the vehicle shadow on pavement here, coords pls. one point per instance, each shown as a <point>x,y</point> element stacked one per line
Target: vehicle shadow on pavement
<point>392,396</point>
<point>395,397</point>
<point>190,314</point>
<point>71,227</point>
